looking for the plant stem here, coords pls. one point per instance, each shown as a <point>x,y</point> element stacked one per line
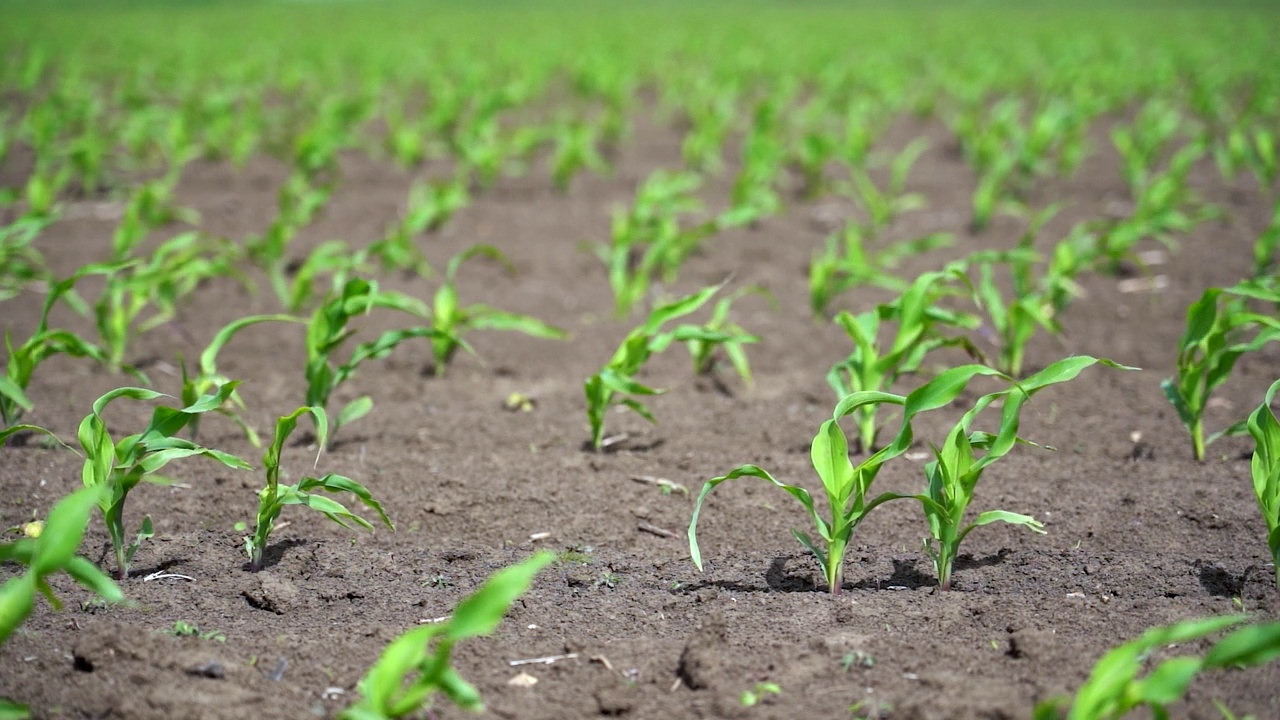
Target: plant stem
<point>1197,439</point>
<point>835,566</point>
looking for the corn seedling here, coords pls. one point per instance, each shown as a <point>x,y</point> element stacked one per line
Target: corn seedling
<point>1219,330</point>
<point>1265,429</point>
<point>43,344</point>
<point>1264,248</point>
<point>207,378</point>
<point>704,351</point>
<point>273,498</point>
<point>49,550</point>
<point>954,473</point>
<point>617,377</point>
<point>1114,688</point>
<point>574,150</point>
<point>421,657</point>
<point>431,205</point>
<point>453,322</point>
<point>919,322</point>
<point>846,263</point>
<point>328,330</point>
<point>1015,321</point>
<point>156,284</point>
<point>884,206</point>
<point>116,467</point>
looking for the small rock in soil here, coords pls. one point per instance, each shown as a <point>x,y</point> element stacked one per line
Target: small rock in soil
<point>271,593</point>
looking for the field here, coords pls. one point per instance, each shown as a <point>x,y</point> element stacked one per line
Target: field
<point>1077,179</point>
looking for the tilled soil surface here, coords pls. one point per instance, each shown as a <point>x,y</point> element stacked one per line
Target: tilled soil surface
<point>1138,533</point>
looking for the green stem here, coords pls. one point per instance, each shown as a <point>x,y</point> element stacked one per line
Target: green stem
<point>1197,439</point>
<point>835,565</point>
<point>114,519</point>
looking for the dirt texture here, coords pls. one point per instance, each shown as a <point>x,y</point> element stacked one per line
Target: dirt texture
<point>1138,533</point>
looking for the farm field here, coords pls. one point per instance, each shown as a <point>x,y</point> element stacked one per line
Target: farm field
<point>1092,173</point>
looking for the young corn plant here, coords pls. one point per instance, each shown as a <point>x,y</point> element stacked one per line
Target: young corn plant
<point>920,323</point>
<point>847,489</point>
<point>1265,429</point>
<point>1114,688</point>
<point>116,467</point>
<point>416,665</point>
<point>46,549</point>
<point>44,343</point>
<point>207,378</point>
<point>704,351</point>
<point>846,263</point>
<point>273,498</point>
<point>1219,330</point>
<point>328,331</point>
<point>453,321</point>
<point>884,206</point>
<point>617,378</point>
<point>575,149</point>
<point>1015,322</point>
<point>953,475</point>
<point>431,205</point>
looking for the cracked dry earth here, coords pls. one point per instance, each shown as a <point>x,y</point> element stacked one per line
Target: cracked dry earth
<point>1138,534</point>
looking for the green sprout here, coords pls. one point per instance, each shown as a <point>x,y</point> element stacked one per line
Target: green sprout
<point>884,206</point>
<point>273,498</point>
<point>616,378</point>
<point>704,351</point>
<point>328,330</point>
<point>1114,688</point>
<point>414,658</point>
<point>955,470</point>
<point>1265,429</point>
<point>207,377</point>
<point>117,467</point>
<point>431,205</point>
<point>872,367</point>
<point>758,693</point>
<point>44,343</point>
<point>50,550</point>
<point>1219,330</point>
<point>952,476</point>
<point>846,263</point>
<point>453,322</point>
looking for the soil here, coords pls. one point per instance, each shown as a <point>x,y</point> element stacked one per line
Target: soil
<point>1138,533</point>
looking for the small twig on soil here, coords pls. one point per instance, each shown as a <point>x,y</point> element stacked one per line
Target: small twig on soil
<point>278,673</point>
<point>549,659</point>
<point>614,440</point>
<point>442,618</point>
<point>603,661</point>
<point>161,575</point>
<point>654,529</point>
<point>676,685</point>
<point>668,485</point>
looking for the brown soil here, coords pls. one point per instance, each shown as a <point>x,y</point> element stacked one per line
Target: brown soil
<point>1138,533</point>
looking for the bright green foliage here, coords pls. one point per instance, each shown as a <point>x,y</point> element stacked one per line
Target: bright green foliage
<point>52,551</point>
<point>953,475</point>
<point>116,467</point>
<point>575,149</point>
<point>704,351</point>
<point>1264,248</point>
<point>1265,430</point>
<point>1114,688</point>
<point>1219,330</point>
<point>43,344</point>
<point>21,264</point>
<point>1033,302</point>
<point>650,240</point>
<point>421,656</point>
<point>207,377</point>
<point>617,377</point>
<point>453,321</point>
<point>299,201</point>
<point>273,498</point>
<point>155,283</point>
<point>328,331</point>
<point>846,263</point>
<point>431,205</point>
<point>919,323</point>
<point>884,206</point>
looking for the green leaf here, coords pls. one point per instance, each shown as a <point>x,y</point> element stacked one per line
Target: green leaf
<point>830,455</point>
<point>798,493</point>
<point>1247,647</point>
<point>354,410</point>
<point>63,530</point>
<point>480,613</point>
